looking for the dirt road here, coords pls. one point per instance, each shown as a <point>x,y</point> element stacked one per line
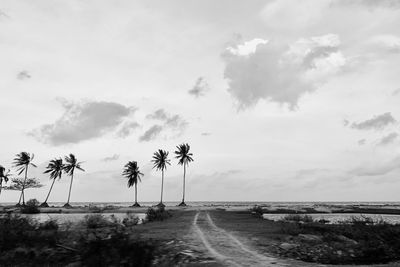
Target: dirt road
<point>225,247</point>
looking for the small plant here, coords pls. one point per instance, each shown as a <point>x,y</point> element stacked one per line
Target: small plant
<point>31,207</point>
<point>257,210</point>
<point>130,220</point>
<point>94,221</point>
<point>298,218</point>
<point>157,214</point>
<point>49,225</point>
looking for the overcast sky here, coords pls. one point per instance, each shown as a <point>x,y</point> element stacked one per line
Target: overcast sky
<point>279,100</point>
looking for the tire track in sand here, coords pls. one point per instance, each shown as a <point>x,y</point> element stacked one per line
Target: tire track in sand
<point>225,247</point>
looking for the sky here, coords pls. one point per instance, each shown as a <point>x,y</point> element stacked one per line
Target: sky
<point>279,100</point>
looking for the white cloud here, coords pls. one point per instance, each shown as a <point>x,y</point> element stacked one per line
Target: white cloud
<point>282,73</point>
<point>246,48</point>
<point>390,43</point>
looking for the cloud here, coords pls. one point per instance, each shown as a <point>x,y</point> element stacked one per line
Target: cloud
<point>388,139</point>
<point>376,123</point>
<point>372,3</point>
<point>375,169</point>
<point>281,73</point>
<point>200,88</point>
<point>390,43</point>
<point>159,114</point>
<point>174,125</point>
<point>82,121</point>
<point>361,142</point>
<point>396,92</point>
<point>246,48</point>
<point>111,158</point>
<point>151,133</point>
<point>127,128</point>
<point>23,75</point>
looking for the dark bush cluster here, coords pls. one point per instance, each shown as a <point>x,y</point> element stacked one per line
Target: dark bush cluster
<point>360,240</point>
<point>31,207</point>
<point>157,214</point>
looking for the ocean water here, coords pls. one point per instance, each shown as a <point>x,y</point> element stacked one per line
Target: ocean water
<point>239,204</point>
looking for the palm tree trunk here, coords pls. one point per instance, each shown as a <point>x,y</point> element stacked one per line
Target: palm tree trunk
<point>70,187</point>
<point>23,186</point>
<point>20,197</point>
<point>184,180</point>
<point>1,185</point>
<point>162,184</point>
<point>136,193</point>
<point>49,191</point>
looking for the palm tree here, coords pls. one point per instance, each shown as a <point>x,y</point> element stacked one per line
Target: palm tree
<point>184,158</point>
<point>22,161</point>
<point>132,172</point>
<point>69,169</point>
<point>55,168</point>
<point>160,161</point>
<point>4,176</point>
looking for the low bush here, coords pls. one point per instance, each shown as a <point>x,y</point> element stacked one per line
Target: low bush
<point>298,218</point>
<point>157,214</point>
<point>31,207</point>
<point>130,220</point>
<point>17,231</point>
<point>93,221</point>
<point>116,249</point>
<point>257,210</point>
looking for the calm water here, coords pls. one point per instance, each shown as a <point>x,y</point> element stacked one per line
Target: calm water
<point>339,217</point>
<point>76,217</point>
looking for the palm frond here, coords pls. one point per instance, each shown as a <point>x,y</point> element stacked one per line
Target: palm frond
<point>160,160</point>
<point>132,172</point>
<point>182,153</point>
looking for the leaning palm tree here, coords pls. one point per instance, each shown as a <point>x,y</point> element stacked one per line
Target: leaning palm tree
<point>22,161</point>
<point>184,157</point>
<point>55,169</point>
<point>160,161</point>
<point>4,176</point>
<point>132,172</point>
<point>69,169</point>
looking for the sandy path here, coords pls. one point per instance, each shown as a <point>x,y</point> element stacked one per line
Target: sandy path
<point>225,247</point>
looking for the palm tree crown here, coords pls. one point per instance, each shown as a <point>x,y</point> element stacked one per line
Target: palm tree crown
<point>182,153</point>
<point>160,160</point>
<point>55,168</point>
<point>132,172</point>
<point>72,164</point>
<point>22,161</point>
<point>3,174</point>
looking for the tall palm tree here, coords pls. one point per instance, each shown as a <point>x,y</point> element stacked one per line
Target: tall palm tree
<point>22,161</point>
<point>4,176</point>
<point>55,168</point>
<point>182,153</point>
<point>132,172</point>
<point>160,162</point>
<point>69,169</point>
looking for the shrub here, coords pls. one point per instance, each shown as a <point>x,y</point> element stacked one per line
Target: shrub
<point>157,214</point>
<point>93,221</point>
<point>115,250</point>
<point>130,220</point>
<point>257,210</point>
<point>298,218</point>
<point>49,225</point>
<point>31,207</point>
